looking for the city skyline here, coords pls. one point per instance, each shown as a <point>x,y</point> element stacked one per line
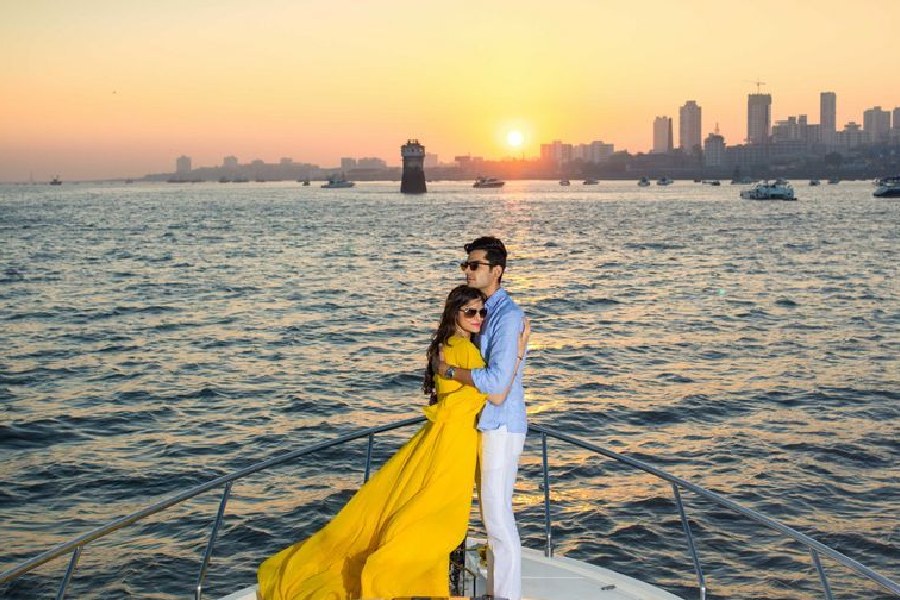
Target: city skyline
<point>878,126</point>
<point>104,89</point>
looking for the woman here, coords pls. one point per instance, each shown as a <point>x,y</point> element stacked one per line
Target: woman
<point>394,537</point>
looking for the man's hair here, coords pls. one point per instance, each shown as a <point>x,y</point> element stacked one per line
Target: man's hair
<point>495,251</point>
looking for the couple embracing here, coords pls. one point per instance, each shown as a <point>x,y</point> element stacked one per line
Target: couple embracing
<point>394,537</point>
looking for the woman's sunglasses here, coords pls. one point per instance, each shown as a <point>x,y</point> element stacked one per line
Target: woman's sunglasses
<point>470,313</point>
<point>472,265</point>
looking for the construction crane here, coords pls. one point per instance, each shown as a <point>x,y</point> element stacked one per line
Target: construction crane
<point>758,84</point>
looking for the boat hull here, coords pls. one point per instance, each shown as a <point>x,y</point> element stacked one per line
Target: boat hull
<point>347,184</point>
<point>780,190</point>
<point>773,197</point>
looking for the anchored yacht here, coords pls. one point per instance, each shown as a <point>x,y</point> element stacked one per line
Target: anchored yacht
<point>338,181</point>
<point>888,187</point>
<point>778,190</point>
<point>488,182</point>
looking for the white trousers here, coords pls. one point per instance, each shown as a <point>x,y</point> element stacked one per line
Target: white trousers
<point>499,464</point>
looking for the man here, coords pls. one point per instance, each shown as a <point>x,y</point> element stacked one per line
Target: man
<point>502,425</point>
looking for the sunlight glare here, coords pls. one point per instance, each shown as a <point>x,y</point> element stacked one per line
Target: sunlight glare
<point>515,138</point>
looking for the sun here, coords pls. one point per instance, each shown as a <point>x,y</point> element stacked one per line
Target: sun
<point>515,138</point>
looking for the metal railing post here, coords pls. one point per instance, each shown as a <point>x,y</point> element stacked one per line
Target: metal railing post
<point>701,581</point>
<point>158,507</point>
<point>548,550</point>
<point>68,576</point>
<point>369,457</point>
<point>198,591</point>
<point>822,577</point>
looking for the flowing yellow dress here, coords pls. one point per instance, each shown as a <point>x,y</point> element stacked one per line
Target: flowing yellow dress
<point>394,537</point>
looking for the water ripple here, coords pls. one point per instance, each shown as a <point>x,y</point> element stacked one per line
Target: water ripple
<point>158,336</point>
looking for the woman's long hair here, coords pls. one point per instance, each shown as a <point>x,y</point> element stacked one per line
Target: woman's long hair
<point>456,299</point>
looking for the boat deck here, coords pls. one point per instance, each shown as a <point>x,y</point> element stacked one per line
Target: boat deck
<point>560,578</point>
<point>555,578</point>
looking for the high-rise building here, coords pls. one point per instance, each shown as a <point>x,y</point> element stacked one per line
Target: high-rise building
<point>557,152</point>
<point>714,150</point>
<point>794,129</point>
<point>594,152</point>
<point>372,162</point>
<point>828,114</point>
<point>785,130</point>
<point>183,165</point>
<point>230,162</point>
<point>877,124</point>
<point>689,127</point>
<point>895,130</point>
<point>852,136</point>
<point>347,163</point>
<point>759,118</point>
<point>662,135</point>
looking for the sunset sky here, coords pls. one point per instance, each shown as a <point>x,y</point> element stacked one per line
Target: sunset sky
<point>119,88</point>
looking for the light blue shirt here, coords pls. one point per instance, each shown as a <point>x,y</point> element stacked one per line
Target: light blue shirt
<point>499,344</point>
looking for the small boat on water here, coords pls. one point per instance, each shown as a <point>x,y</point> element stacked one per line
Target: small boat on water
<point>664,181</point>
<point>488,182</point>
<point>888,187</point>
<point>713,182</point>
<point>590,181</point>
<point>814,182</point>
<point>564,182</point>
<point>644,182</point>
<point>833,181</point>
<point>338,181</point>
<point>778,190</point>
<point>56,181</point>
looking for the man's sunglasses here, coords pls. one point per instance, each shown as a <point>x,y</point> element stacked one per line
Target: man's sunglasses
<point>472,265</point>
<point>470,313</point>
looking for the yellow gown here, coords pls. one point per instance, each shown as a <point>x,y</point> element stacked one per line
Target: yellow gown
<point>394,537</point>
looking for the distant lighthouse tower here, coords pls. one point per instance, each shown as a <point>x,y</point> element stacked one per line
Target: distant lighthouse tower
<point>413,179</point>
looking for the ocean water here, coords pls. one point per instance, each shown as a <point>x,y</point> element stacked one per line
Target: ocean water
<point>155,336</point>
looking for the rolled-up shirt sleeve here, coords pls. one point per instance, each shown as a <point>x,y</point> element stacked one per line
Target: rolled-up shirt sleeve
<point>501,356</point>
